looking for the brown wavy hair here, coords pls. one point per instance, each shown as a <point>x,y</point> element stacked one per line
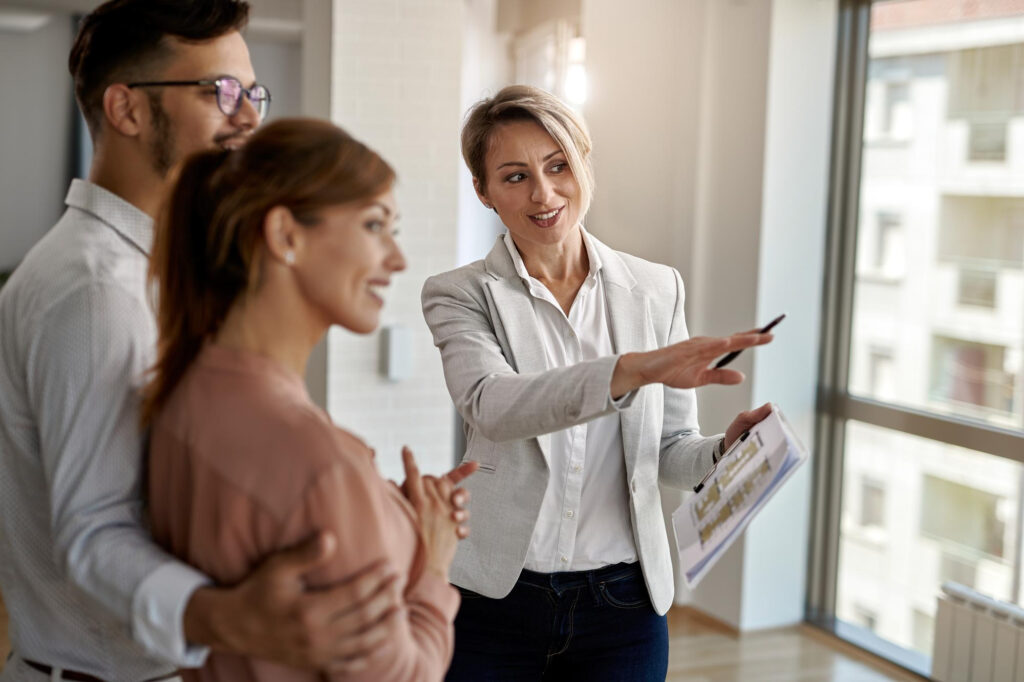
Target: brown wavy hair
<point>209,236</point>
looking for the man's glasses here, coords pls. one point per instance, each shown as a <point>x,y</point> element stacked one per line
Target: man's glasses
<point>229,93</point>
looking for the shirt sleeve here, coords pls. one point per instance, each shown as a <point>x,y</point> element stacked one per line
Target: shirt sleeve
<point>352,501</point>
<point>486,389</point>
<point>84,373</point>
<point>686,455</point>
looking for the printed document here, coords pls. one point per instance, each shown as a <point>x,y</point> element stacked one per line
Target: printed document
<point>738,487</point>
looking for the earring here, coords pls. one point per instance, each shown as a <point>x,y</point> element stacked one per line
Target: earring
<point>289,257</point>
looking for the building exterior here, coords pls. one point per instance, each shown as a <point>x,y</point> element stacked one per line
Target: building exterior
<point>938,318</point>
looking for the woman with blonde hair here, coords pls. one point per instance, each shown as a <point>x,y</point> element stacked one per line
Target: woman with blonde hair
<point>257,253</point>
<point>572,368</point>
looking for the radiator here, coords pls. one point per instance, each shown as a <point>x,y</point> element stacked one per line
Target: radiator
<point>977,638</point>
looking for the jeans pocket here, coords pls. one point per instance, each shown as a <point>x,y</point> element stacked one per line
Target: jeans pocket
<point>629,592</point>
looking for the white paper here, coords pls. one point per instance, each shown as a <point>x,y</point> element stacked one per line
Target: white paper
<point>744,479</point>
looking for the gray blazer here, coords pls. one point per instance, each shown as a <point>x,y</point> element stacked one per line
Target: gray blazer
<point>481,318</point>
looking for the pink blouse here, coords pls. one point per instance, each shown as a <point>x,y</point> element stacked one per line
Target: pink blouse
<point>242,463</point>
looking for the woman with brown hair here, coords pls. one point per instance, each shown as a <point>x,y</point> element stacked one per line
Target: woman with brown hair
<point>258,251</point>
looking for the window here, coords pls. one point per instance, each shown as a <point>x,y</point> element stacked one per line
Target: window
<point>897,115</point>
<point>981,230</point>
<point>962,516</point>
<point>977,287</point>
<point>552,56</point>
<point>922,390</point>
<point>882,373</point>
<point>971,374</point>
<point>872,503</point>
<point>986,140</point>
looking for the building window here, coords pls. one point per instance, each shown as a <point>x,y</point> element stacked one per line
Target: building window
<point>962,516</point>
<point>897,116</point>
<point>977,287</point>
<point>971,374</point>
<point>986,140</point>
<point>921,387</point>
<point>872,503</point>
<point>889,245</point>
<point>881,373</point>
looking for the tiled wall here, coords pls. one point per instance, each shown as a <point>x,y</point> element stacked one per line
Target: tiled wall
<point>396,74</point>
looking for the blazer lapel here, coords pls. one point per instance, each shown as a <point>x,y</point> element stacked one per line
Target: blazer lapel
<point>515,311</point>
<point>629,320</point>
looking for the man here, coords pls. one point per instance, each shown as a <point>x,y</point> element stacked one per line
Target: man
<point>89,594</point>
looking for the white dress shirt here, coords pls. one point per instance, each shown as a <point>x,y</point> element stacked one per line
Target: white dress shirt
<point>584,520</point>
<point>85,586</point>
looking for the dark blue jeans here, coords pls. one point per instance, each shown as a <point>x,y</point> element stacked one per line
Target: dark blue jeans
<point>589,626</point>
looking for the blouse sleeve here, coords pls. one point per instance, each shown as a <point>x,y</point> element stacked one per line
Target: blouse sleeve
<point>686,455</point>
<point>351,500</point>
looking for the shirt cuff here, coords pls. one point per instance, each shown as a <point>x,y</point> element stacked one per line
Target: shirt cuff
<point>158,612</point>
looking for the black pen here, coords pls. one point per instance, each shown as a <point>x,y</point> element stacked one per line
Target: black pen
<point>700,486</point>
<point>733,355</point>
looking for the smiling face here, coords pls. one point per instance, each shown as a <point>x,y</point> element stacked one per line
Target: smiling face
<point>346,262</point>
<point>530,185</point>
<point>187,119</point>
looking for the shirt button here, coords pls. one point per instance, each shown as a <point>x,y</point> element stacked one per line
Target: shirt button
<point>565,559</point>
<point>569,514</point>
<point>577,468</point>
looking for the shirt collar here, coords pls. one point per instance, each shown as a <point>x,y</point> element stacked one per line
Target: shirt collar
<point>517,260</point>
<point>124,218</point>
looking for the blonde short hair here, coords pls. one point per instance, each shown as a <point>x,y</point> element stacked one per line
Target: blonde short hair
<point>527,103</point>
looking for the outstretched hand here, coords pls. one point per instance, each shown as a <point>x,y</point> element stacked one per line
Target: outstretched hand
<point>683,365</point>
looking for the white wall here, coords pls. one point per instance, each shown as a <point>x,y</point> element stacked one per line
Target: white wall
<point>35,134</point>
<point>710,122</point>
<point>396,86</point>
<point>486,68</point>
<point>278,66</point>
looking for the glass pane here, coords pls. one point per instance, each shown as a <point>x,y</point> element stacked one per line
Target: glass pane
<point>938,317</point>
<point>915,514</point>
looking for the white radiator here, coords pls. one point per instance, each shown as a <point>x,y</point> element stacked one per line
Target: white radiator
<point>977,638</point>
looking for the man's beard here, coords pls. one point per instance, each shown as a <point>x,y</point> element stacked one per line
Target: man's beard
<point>161,150</point>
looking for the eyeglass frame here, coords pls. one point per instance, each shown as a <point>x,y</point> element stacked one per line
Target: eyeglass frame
<point>247,92</point>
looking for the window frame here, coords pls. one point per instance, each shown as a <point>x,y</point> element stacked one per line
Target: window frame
<point>835,404</point>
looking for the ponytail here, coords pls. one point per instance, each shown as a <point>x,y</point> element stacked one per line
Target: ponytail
<point>194,289</point>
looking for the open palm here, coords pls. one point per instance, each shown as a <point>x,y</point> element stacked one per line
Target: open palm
<point>687,364</point>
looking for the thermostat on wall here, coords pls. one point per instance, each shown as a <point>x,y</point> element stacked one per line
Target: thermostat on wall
<point>395,352</point>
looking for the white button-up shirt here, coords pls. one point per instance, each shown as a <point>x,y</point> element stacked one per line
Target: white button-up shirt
<point>85,586</point>
<point>584,520</point>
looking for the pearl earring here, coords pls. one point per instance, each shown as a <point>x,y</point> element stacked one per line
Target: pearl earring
<point>289,257</point>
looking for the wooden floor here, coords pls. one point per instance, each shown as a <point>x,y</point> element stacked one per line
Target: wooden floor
<point>702,650</point>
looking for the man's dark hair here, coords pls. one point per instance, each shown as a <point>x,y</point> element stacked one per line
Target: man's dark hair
<point>123,39</point>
